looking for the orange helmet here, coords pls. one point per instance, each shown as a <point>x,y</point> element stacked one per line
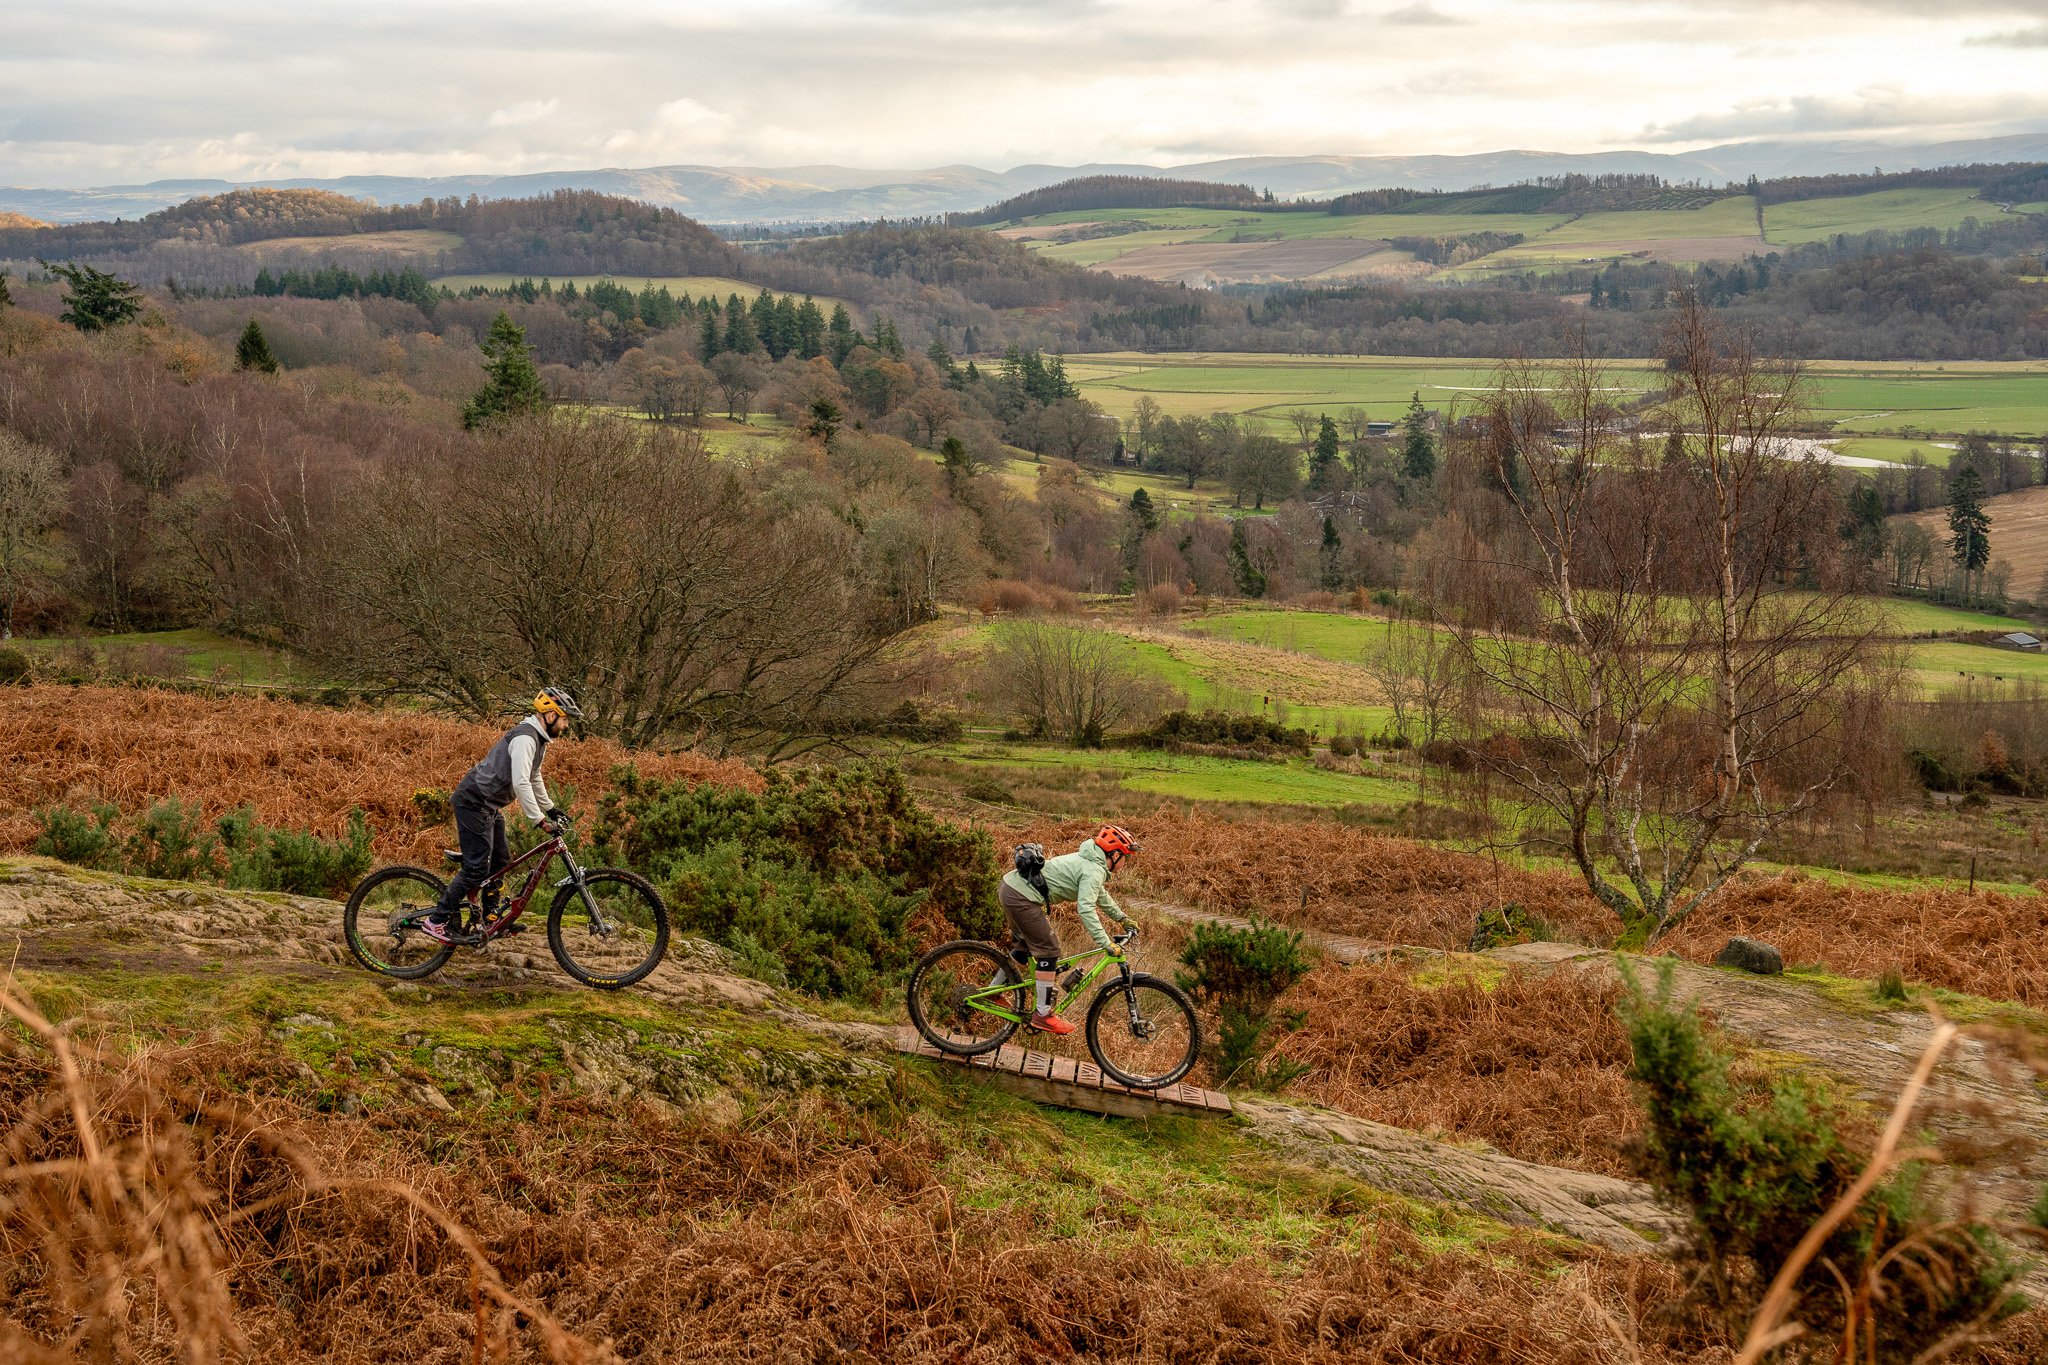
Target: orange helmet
<point>1116,841</point>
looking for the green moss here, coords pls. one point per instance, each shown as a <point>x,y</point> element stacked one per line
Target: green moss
<point>1450,969</point>
<point>1195,1188</point>
<point>1859,996</point>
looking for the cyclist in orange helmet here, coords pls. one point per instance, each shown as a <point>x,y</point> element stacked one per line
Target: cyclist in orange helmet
<point>1081,877</point>
<point>509,772</point>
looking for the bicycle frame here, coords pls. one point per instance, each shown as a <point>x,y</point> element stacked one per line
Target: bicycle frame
<point>988,997</point>
<point>546,853</point>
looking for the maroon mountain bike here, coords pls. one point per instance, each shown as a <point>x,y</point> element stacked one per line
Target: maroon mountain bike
<point>606,926</point>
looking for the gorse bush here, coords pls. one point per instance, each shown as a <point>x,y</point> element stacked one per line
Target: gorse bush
<point>1755,1178</point>
<point>264,859</point>
<point>85,838</point>
<point>829,879</point>
<point>1222,727</point>
<point>173,841</point>
<point>1243,972</point>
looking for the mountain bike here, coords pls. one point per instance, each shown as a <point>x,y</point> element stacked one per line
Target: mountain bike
<point>606,926</point>
<point>968,998</point>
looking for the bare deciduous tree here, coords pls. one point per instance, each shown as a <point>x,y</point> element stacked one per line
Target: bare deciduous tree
<point>1416,667</point>
<point>1068,682</point>
<point>1686,692</point>
<point>31,500</point>
<point>620,560</point>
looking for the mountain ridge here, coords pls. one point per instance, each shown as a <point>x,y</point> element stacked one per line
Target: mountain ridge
<point>826,193</point>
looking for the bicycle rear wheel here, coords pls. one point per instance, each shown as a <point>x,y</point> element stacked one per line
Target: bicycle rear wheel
<point>635,931</point>
<point>940,1005</point>
<point>381,923</point>
<point>1143,1032</point>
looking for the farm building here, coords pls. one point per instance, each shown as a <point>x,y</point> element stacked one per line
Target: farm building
<point>2018,639</point>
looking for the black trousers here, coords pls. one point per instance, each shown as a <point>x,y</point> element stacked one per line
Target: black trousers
<point>481,829</point>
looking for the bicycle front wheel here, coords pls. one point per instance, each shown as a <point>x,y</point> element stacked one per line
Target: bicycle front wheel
<point>381,923</point>
<point>954,993</point>
<point>1143,1032</point>
<point>622,943</point>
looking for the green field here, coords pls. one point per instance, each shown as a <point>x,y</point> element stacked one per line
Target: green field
<point>1893,449</point>
<point>1950,398</point>
<point>1858,397</point>
<point>1816,220</point>
<point>1936,666</point>
<point>1191,777</point>
<point>190,653</point>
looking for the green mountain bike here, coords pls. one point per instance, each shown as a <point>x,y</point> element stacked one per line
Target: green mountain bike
<point>968,998</point>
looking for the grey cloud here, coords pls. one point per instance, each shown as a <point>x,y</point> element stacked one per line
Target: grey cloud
<point>2026,37</point>
<point>1421,13</point>
<point>1876,113</point>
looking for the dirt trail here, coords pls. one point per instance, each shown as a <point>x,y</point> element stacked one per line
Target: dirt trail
<point>1871,1052</point>
<point>55,917</point>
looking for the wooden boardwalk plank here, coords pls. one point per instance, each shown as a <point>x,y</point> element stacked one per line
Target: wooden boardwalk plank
<point>1070,1083</point>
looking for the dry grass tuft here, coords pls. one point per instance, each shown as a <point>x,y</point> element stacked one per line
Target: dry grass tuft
<point>302,767</point>
<point>1535,1065</point>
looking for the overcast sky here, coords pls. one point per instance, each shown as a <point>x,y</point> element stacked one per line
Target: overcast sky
<point>99,92</point>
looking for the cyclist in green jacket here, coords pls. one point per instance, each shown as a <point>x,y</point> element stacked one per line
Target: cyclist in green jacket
<point>1081,877</point>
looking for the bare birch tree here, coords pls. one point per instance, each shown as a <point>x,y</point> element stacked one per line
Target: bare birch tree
<point>1067,682</point>
<point>1686,692</point>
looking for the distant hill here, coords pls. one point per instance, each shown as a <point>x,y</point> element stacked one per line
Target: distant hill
<point>19,220</point>
<point>752,194</point>
<point>567,232</point>
<point>1112,192</point>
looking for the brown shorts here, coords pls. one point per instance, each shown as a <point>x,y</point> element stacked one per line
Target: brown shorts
<point>1030,927</point>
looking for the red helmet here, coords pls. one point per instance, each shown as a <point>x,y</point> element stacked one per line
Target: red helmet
<point>1116,841</point>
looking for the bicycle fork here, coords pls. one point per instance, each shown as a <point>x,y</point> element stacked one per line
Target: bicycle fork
<point>598,924</point>
<point>1140,1028</point>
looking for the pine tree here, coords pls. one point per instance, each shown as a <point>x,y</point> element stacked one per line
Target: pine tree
<point>739,327</point>
<point>512,387</point>
<point>810,330</point>
<point>840,338</point>
<point>787,329</point>
<point>1143,511</point>
<point>1332,557</point>
<point>98,300</point>
<point>1250,581</point>
<point>1323,458</point>
<point>6,299</point>
<point>886,340</point>
<point>1969,527</point>
<point>957,463</point>
<point>252,352</point>
<point>942,360</point>
<point>761,313</point>
<point>708,342</point>
<point>1418,452</point>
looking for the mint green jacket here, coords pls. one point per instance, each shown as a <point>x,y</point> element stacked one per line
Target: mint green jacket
<point>1081,877</point>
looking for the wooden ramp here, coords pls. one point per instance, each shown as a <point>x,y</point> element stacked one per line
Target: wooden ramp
<point>1070,1084</point>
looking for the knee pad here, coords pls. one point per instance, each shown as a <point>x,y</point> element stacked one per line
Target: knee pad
<point>1048,964</point>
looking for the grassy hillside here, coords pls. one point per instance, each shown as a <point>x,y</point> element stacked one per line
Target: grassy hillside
<point>1856,397</point>
<point>1816,220</point>
<point>1722,229</point>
